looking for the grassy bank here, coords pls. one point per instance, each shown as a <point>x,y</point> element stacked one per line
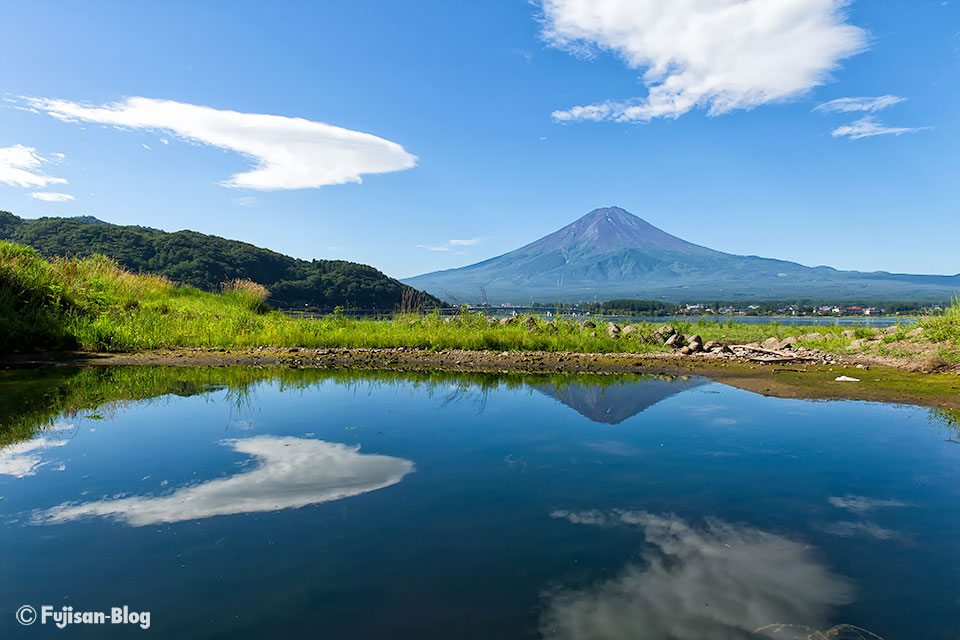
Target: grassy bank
<point>92,304</point>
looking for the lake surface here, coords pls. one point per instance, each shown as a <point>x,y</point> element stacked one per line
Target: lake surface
<point>245,503</point>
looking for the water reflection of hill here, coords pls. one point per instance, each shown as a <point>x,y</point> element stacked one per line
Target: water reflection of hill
<point>612,404</point>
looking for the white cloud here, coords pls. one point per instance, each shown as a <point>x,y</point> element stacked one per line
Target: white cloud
<point>719,55</point>
<point>721,581</point>
<point>291,473</point>
<point>289,153</point>
<point>847,105</point>
<point>468,243</point>
<point>245,201</point>
<point>51,196</point>
<point>21,166</point>
<point>869,126</point>
<point>471,242</point>
<point>23,458</point>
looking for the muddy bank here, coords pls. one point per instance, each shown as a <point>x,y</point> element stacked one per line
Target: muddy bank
<point>785,379</point>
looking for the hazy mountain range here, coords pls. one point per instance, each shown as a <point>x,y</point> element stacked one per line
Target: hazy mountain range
<point>610,253</point>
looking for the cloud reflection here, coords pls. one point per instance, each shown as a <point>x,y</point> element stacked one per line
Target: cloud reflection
<point>721,582</point>
<point>862,505</point>
<point>291,473</point>
<point>24,458</point>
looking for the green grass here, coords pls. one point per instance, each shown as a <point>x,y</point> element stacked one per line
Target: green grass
<point>93,304</point>
<point>945,327</point>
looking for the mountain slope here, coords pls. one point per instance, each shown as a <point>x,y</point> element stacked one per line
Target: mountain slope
<point>610,253</point>
<point>203,261</point>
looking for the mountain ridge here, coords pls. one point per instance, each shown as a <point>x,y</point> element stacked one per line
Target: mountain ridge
<point>206,261</point>
<point>610,253</point>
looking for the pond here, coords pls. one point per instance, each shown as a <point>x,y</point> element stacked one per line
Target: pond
<point>255,503</point>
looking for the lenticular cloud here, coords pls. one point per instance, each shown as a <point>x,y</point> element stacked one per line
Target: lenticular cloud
<point>289,153</point>
<point>719,55</point>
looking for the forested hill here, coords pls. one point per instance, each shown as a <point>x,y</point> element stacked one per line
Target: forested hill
<point>203,261</point>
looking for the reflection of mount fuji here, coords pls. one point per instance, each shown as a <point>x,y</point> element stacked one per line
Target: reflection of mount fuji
<point>612,404</point>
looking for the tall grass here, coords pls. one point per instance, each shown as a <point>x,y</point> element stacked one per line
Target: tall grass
<point>945,327</point>
<point>93,304</point>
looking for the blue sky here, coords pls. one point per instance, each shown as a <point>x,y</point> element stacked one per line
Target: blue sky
<point>477,127</point>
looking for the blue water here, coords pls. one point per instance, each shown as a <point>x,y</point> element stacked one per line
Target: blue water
<point>657,507</point>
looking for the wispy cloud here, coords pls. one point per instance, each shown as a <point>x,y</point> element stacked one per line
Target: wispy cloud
<point>22,166</point>
<point>847,105</point>
<point>523,53</point>
<point>245,201</point>
<point>718,55</point>
<point>869,126</point>
<point>51,196</point>
<point>289,153</point>
<point>450,244</point>
<point>472,242</point>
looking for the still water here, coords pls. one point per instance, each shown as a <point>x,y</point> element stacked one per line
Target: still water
<point>244,503</point>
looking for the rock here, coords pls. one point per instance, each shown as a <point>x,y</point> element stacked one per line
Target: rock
<point>630,330</point>
<point>505,322</point>
<point>710,345</point>
<point>550,327</point>
<point>813,337</point>
<point>675,340</point>
<point>589,325</point>
<point>771,343</point>
<point>656,338</point>
<point>613,331</point>
<point>530,324</point>
<point>726,349</point>
<point>915,333</point>
<point>593,334</point>
<point>695,346</point>
<point>666,330</point>
<point>491,321</point>
<point>856,344</point>
<point>694,338</point>
<point>789,342</point>
<point>686,351</point>
<point>850,334</point>
<point>449,320</point>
